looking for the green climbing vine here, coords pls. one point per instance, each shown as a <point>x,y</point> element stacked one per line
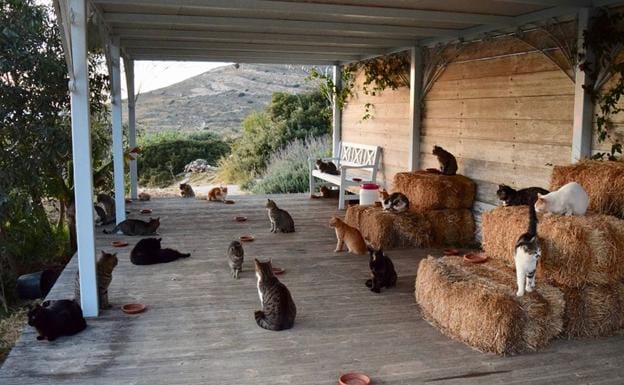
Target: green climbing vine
<point>605,39</point>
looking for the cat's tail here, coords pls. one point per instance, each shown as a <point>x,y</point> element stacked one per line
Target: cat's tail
<point>532,231</point>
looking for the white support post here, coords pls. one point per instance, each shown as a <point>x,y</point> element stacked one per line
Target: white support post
<point>583,105</point>
<point>81,152</point>
<point>129,67</point>
<point>416,74</point>
<point>118,155</point>
<point>336,113</point>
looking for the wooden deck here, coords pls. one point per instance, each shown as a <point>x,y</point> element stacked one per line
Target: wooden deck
<point>199,328</point>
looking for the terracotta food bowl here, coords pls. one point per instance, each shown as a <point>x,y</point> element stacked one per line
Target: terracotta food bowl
<point>133,308</point>
<point>354,379</point>
<point>146,211</point>
<point>448,252</point>
<point>278,270</point>
<point>119,243</point>
<point>240,218</point>
<point>246,238</point>
<point>476,257</point>
<point>228,202</point>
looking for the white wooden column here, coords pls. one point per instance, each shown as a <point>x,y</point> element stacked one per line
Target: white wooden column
<point>81,152</point>
<point>118,156</point>
<point>583,105</point>
<point>416,74</point>
<point>336,113</point>
<point>129,67</point>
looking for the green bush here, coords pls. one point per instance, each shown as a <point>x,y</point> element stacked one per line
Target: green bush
<point>287,170</point>
<point>165,155</point>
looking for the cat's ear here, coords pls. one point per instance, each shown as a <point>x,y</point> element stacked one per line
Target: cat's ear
<point>159,239</point>
<point>45,303</point>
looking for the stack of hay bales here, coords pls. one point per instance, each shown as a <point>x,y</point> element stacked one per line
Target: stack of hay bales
<point>583,256</point>
<point>477,304</point>
<point>440,213</point>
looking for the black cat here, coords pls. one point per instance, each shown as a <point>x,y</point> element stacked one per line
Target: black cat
<point>53,319</point>
<point>382,270</point>
<point>148,251</point>
<point>327,167</point>
<point>525,196</point>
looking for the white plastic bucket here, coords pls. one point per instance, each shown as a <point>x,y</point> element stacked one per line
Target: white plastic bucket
<point>369,193</point>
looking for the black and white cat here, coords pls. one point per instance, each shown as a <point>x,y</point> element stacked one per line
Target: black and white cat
<point>526,255</point>
<point>396,202</point>
<point>525,196</point>
<point>382,271</point>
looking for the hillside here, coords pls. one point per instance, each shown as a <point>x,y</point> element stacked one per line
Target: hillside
<point>217,100</point>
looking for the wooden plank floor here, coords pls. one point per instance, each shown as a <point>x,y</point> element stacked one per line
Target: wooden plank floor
<point>199,328</point>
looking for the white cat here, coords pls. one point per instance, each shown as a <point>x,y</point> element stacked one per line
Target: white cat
<point>527,253</point>
<point>570,199</point>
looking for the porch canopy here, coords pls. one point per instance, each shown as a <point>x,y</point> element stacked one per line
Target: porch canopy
<point>317,32</point>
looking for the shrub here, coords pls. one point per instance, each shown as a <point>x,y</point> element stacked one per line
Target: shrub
<point>287,170</point>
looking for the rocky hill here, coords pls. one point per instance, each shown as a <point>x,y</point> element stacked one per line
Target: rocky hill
<point>217,100</point>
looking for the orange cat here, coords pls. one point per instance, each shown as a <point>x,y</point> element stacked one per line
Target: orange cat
<point>217,194</point>
<point>349,235</point>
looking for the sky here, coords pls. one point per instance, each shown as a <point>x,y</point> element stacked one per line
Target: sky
<point>151,75</point>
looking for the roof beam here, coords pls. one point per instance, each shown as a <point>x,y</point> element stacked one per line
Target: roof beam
<point>248,59</point>
<point>273,26</point>
<point>295,9</point>
<point>266,38</point>
<point>221,55</point>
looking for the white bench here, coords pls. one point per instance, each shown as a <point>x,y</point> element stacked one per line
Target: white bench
<point>350,156</point>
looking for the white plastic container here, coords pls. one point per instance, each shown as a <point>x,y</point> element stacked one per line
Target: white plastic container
<point>369,194</point>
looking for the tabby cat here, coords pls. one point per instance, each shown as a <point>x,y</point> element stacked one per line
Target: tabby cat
<point>217,194</point>
<point>102,219</point>
<point>349,235</point>
<point>143,196</point>
<point>382,270</point>
<point>53,319</point>
<point>278,308</point>
<point>280,219</point>
<point>186,191</point>
<point>327,167</point>
<point>236,256</point>
<point>526,255</point>
<point>109,205</point>
<point>448,163</point>
<point>104,273</point>
<point>148,251</point>
<point>525,196</point>
<point>136,227</point>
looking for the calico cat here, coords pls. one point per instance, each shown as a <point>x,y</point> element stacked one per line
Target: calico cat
<point>217,194</point>
<point>396,202</point>
<point>327,167</point>
<point>148,251</point>
<point>448,163</point>
<point>278,308</point>
<point>136,227</point>
<point>328,193</point>
<point>570,199</point>
<point>186,191</point>
<point>525,196</point>
<point>526,255</point>
<point>349,235</point>
<point>144,197</point>
<point>382,270</point>
<point>104,273</point>
<point>236,255</point>
<point>53,319</point>
<point>280,219</point>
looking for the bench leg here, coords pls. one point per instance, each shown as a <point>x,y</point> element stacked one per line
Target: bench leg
<point>341,198</point>
<point>312,185</point>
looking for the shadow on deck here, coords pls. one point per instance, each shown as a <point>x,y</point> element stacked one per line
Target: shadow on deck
<point>199,327</point>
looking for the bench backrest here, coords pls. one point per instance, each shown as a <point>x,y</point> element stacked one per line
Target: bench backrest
<point>354,154</point>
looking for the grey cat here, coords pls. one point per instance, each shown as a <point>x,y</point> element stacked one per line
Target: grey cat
<point>108,203</point>
<point>278,308</point>
<point>236,255</point>
<point>280,219</point>
<point>136,227</point>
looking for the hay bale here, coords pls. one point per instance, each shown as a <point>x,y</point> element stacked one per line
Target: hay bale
<point>390,230</point>
<point>428,191</point>
<point>603,181</point>
<point>593,310</point>
<point>451,227</point>
<point>576,250</point>
<point>477,304</point>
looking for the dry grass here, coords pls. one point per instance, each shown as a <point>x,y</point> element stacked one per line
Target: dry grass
<point>576,250</point>
<point>451,227</point>
<point>427,191</point>
<point>389,230</point>
<point>10,330</point>
<point>603,181</point>
<point>476,304</point>
<point>593,310</point>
